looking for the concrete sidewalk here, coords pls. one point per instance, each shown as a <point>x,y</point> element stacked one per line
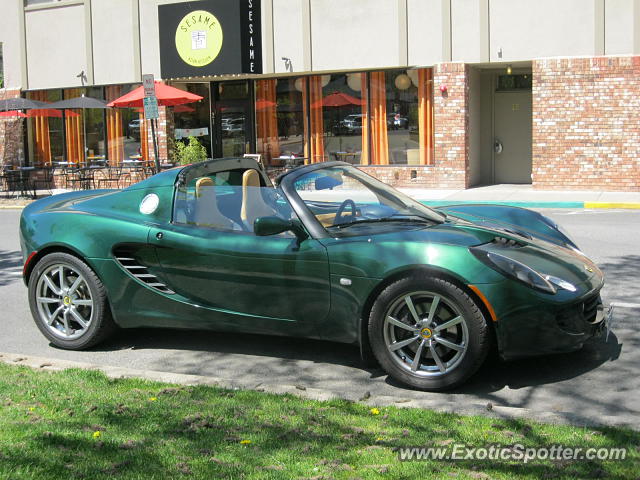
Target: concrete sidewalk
<point>526,196</point>
<point>505,194</point>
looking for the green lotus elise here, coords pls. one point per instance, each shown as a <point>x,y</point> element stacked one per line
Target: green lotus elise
<point>328,252</point>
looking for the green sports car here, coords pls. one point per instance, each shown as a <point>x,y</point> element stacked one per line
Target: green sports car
<point>328,252</point>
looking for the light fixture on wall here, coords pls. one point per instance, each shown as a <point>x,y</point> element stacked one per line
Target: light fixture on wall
<point>325,79</point>
<point>413,75</point>
<point>509,70</point>
<point>402,81</point>
<point>299,84</point>
<point>354,81</point>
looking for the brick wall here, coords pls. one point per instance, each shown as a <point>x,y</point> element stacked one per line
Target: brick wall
<point>11,134</point>
<point>165,130</point>
<point>586,123</point>
<point>451,124</point>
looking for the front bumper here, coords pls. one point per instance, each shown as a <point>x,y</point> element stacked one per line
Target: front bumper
<point>553,329</point>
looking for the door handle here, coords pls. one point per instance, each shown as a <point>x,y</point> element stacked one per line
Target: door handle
<point>497,146</point>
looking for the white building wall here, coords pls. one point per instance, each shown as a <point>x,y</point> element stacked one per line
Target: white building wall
<point>466,26</point>
<point>10,39</point>
<point>56,46</point>
<point>115,32</point>
<point>525,29</point>
<point>289,34</point>
<point>319,35</point>
<point>425,31</point>
<point>619,22</point>
<point>355,34</point>
<point>149,35</point>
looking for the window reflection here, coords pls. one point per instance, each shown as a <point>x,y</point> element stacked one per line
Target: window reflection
<point>343,115</point>
<point>193,120</point>
<point>126,130</point>
<point>280,120</point>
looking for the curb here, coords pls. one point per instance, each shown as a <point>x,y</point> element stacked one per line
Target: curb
<point>449,406</point>
<point>629,205</point>
<point>12,207</point>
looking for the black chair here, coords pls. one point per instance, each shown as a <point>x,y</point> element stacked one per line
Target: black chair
<point>112,175</point>
<point>43,179</point>
<point>82,179</point>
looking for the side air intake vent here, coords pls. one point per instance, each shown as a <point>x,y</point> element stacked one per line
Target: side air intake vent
<point>128,261</point>
<point>506,242</point>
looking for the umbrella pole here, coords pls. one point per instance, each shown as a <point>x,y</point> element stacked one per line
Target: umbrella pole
<point>155,144</point>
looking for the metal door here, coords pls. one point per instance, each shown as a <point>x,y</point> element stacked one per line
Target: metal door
<point>512,137</point>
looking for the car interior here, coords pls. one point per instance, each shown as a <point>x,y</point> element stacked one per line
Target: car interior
<point>228,200</point>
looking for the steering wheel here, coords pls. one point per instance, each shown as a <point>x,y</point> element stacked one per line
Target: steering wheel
<point>341,209</point>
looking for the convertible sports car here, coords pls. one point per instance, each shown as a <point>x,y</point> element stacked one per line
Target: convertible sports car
<point>328,252</point>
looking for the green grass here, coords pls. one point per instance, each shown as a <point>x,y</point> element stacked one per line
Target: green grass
<point>48,425</point>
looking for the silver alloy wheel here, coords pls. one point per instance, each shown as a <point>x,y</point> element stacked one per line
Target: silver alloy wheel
<point>426,333</point>
<point>64,301</point>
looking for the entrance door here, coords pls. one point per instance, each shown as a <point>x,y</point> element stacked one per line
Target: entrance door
<point>232,118</point>
<point>512,132</point>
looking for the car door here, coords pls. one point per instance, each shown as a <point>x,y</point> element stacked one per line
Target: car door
<point>267,284</point>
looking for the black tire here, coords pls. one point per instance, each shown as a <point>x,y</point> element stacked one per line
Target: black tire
<point>452,304</point>
<point>99,321</point>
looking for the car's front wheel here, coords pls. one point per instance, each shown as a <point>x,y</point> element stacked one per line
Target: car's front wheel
<point>428,333</point>
<point>69,302</point>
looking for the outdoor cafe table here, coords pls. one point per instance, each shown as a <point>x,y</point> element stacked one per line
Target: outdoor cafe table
<point>22,178</point>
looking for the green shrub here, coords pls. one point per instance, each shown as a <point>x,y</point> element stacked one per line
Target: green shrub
<point>193,152</point>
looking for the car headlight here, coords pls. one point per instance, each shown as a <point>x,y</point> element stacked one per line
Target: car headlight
<point>515,270</point>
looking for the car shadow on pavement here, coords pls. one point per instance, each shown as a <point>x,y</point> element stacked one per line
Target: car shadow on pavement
<point>493,376</point>
<point>622,278</point>
<point>10,262</point>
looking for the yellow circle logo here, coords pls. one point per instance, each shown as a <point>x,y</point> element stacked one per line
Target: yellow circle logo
<point>426,333</point>
<point>199,38</point>
<point>67,301</point>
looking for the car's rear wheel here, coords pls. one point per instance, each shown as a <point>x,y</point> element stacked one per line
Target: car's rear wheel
<point>428,333</point>
<point>69,302</point>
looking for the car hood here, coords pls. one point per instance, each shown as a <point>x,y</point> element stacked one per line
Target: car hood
<point>516,220</point>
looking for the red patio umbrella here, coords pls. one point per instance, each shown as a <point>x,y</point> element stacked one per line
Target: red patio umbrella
<point>263,104</point>
<point>167,96</point>
<point>50,112</point>
<point>12,113</point>
<point>337,99</point>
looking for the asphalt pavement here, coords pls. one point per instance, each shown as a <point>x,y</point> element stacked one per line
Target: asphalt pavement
<point>599,384</point>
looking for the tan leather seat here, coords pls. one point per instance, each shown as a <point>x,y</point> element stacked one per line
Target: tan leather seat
<point>253,205</point>
<point>206,206</point>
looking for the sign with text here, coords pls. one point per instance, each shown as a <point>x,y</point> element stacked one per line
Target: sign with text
<point>150,107</point>
<point>148,85</point>
<point>210,37</point>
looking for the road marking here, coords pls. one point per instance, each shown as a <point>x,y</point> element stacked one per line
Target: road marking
<point>13,272</point>
<point>625,304</point>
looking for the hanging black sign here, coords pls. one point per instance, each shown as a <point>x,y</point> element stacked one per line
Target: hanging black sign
<point>210,37</point>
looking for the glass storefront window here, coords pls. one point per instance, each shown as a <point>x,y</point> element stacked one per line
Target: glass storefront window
<point>85,128</point>
<point>45,130</point>
<point>343,116</point>
<point>126,130</point>
<point>193,119</point>
<point>402,118</point>
<point>280,119</point>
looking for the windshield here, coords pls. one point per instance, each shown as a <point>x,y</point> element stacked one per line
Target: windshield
<point>342,197</point>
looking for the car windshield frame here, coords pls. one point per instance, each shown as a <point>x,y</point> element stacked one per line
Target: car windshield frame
<point>288,180</point>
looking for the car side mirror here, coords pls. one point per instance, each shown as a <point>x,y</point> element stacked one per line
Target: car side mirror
<point>266,226</point>
<point>327,182</point>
